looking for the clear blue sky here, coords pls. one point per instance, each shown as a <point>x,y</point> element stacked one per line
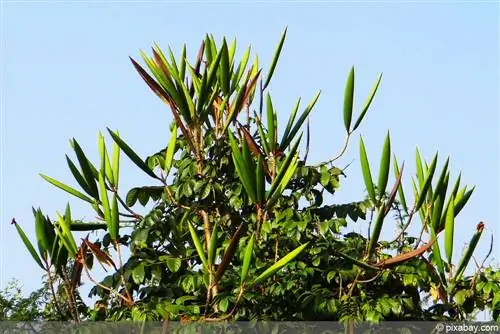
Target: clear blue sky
<point>66,73</point>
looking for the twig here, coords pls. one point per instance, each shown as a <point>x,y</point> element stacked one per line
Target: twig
<point>339,155</point>
<point>134,214</point>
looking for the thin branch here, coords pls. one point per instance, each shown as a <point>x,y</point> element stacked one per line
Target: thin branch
<point>340,154</point>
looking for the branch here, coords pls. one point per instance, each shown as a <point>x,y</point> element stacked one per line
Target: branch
<point>339,155</point>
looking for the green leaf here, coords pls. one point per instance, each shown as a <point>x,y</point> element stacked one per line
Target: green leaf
<point>365,167</point>
<point>241,167</point>
<point>225,69</point>
<point>197,244</point>
<point>212,247</point>
<point>275,59</point>
<point>287,169</point>
<point>138,274</point>
<point>169,155</point>
<point>105,201</point>
<point>289,138</point>
<point>271,125</point>
<point>116,162</point>
<point>29,245</point>
<point>174,264</point>
<point>427,183</point>
<point>348,100</point>
<point>64,232</point>
<point>449,232</point>
<point>224,304</point>
<point>385,162</point>
<point>377,228</point>
<point>247,258</point>
<point>132,155</point>
<point>182,67</point>
<point>401,194</point>
<point>78,176</point>
<point>87,168</point>
<point>280,264</point>
<point>367,103</point>
<point>462,199</point>
<point>41,235</point>
<point>66,188</point>
<point>114,223</point>
<point>105,163</point>
<point>290,122</point>
<point>260,181</point>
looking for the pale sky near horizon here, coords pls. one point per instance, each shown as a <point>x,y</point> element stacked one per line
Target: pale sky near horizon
<point>66,73</point>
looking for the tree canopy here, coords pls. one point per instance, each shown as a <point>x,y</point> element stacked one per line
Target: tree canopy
<point>244,227</point>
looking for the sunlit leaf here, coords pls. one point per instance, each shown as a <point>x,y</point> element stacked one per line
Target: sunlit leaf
<point>66,188</point>
<point>280,264</point>
<point>132,155</point>
<point>274,61</point>
<point>28,245</point>
<point>349,100</point>
<point>365,167</point>
<point>385,164</point>
<point>367,103</point>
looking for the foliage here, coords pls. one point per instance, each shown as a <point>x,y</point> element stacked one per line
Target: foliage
<point>243,227</point>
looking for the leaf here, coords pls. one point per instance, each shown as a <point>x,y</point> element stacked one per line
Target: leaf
<point>461,200</point>
<point>228,254</point>
<point>464,262</point>
<point>348,100</point>
<point>66,188</point>
<point>365,167</point>
<point>289,138</point>
<point>169,155</point>
<point>116,162</point>
<point>132,155</point>
<point>287,166</point>
<point>87,168</point>
<point>225,69</point>
<point>138,273</point>
<point>449,232</point>
<point>132,196</point>
<point>212,247</point>
<point>114,223</point>
<point>401,194</point>
<point>65,234</point>
<point>224,304</point>
<point>247,258</point>
<point>440,189</point>
<point>242,168</point>
<point>28,244</point>
<point>290,122</point>
<point>385,162</point>
<point>367,103</point>
<point>105,201</point>
<point>280,264</point>
<point>377,228</point>
<point>174,264</point>
<point>427,183</point>
<point>42,231</point>
<point>260,187</point>
<point>78,176</point>
<point>275,58</point>
<point>272,135</point>
<point>105,163</point>
<point>198,246</point>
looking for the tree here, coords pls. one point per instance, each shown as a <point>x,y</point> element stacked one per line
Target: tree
<point>244,227</point>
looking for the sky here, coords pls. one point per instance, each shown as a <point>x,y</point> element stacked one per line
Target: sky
<point>65,73</point>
